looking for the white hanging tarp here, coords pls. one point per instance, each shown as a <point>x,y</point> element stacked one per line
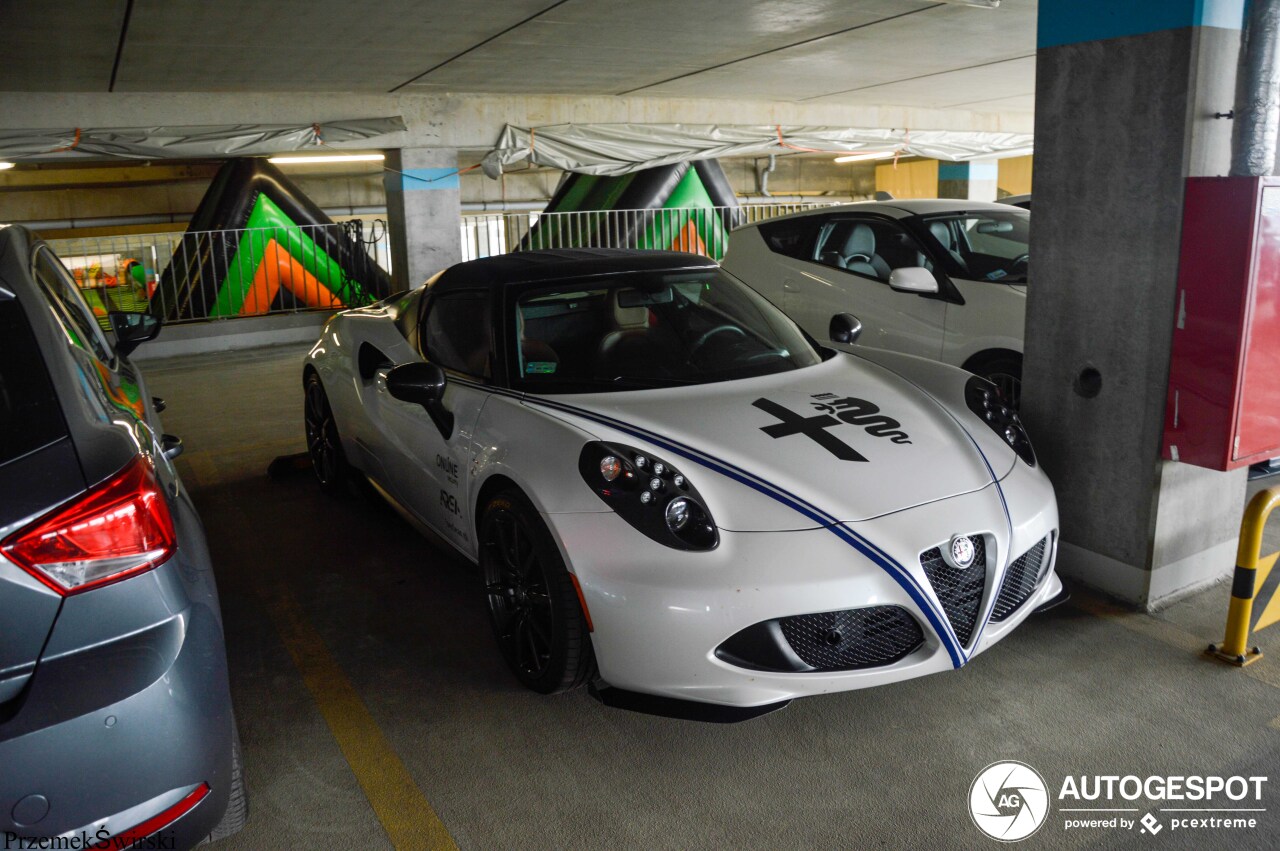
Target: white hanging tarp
<point>222,140</point>
<point>614,149</point>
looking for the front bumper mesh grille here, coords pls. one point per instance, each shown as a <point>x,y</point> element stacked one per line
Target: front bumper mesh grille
<point>959,591</point>
<point>853,638</point>
<point>1020,580</point>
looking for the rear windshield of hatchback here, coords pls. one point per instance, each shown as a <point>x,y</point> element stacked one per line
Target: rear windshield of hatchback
<point>30,416</point>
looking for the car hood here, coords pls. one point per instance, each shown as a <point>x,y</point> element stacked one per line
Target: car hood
<point>841,441</point>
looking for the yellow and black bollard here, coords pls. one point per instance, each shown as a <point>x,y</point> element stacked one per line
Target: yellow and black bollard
<point>1235,649</point>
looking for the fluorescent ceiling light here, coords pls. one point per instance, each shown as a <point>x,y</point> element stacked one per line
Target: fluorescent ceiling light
<point>323,159</point>
<point>3,166</point>
<point>862,156</point>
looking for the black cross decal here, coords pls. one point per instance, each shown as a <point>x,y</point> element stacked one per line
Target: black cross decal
<point>815,428</point>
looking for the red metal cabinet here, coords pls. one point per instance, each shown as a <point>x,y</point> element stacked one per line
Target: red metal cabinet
<point>1224,372</point>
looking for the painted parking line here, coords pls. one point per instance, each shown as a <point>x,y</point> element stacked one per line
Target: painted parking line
<point>197,469</point>
<point>1171,635</point>
<point>405,814</point>
<point>1152,627</point>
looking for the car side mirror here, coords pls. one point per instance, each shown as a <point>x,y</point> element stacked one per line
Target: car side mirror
<point>913,279</point>
<point>132,329</point>
<point>844,328</point>
<point>422,384</point>
<point>419,383</point>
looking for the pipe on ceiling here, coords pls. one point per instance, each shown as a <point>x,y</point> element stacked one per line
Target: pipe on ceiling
<point>762,174</point>
<point>504,206</point>
<point>1257,112</point>
<point>167,219</point>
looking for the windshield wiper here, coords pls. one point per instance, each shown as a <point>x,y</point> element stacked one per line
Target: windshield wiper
<point>638,381</point>
<point>608,383</point>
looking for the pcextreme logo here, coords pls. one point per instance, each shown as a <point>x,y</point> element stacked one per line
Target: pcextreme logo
<point>1008,801</point>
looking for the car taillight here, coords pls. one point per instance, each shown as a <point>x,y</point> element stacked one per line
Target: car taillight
<point>136,836</point>
<point>114,530</point>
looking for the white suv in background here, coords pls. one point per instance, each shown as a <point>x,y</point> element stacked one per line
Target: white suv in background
<point>943,279</point>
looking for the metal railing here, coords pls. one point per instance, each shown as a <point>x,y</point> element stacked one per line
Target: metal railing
<point>203,275</point>
<point>702,230</point>
<point>196,276</point>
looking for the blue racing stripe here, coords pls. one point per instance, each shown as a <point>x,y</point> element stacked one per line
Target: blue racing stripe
<point>1004,505</point>
<point>832,524</point>
<point>1008,519</point>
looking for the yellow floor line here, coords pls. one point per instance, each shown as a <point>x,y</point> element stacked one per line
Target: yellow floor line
<point>1264,671</point>
<point>1161,631</point>
<point>202,468</point>
<point>406,815</point>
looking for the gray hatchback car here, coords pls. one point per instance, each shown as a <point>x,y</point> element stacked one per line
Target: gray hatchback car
<point>115,714</point>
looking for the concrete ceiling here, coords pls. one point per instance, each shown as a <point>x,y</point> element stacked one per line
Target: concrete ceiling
<point>851,52</point>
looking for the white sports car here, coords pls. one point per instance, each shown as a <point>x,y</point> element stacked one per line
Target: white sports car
<point>673,492</point>
<point>941,279</point>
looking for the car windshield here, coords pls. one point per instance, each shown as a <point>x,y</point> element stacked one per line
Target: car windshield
<point>985,246</point>
<point>644,330</point>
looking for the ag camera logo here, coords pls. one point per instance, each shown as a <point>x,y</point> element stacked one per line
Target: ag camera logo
<point>1008,801</point>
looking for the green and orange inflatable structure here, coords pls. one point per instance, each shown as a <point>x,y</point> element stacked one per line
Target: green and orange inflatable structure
<point>687,206</point>
<point>257,244</point>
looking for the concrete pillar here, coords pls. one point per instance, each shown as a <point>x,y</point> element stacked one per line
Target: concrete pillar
<point>970,181</point>
<point>1125,97</point>
<point>424,206</point>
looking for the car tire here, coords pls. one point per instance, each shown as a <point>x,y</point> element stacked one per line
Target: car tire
<point>533,604</point>
<point>237,814</point>
<point>324,446</point>
<point>1005,372</point>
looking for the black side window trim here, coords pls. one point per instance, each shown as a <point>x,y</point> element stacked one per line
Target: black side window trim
<point>911,225</point>
<point>879,219</point>
<point>50,424</point>
<point>428,304</point>
<point>814,224</point>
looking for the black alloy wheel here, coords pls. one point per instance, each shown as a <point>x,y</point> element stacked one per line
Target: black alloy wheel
<point>533,604</point>
<point>323,444</point>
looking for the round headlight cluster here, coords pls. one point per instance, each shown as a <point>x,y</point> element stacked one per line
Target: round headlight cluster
<point>984,400</point>
<point>677,514</point>
<point>649,494</point>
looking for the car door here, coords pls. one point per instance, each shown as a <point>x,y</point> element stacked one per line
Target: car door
<point>853,257</point>
<point>430,465</point>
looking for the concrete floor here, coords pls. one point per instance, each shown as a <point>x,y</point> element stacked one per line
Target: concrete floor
<point>398,671</point>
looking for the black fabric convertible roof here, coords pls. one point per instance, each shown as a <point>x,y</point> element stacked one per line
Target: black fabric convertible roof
<point>558,264</point>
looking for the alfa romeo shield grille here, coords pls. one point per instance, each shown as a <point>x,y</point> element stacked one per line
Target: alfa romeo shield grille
<point>854,638</point>
<point>959,591</point>
<point>1019,581</point>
